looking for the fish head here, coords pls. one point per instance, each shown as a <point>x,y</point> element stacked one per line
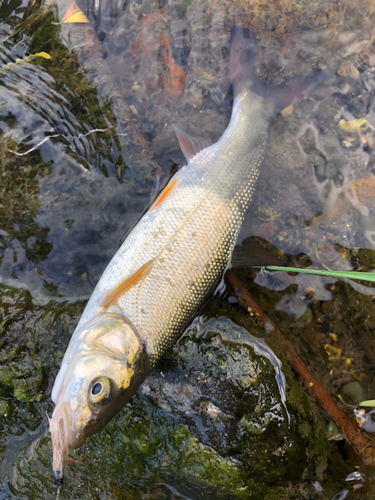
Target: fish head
<point>102,368</point>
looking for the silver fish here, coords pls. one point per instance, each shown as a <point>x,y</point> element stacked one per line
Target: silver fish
<point>168,264</point>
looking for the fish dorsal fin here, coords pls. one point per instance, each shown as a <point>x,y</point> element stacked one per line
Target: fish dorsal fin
<point>112,296</point>
<point>189,145</point>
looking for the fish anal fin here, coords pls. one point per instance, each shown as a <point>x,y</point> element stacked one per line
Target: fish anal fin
<point>112,296</point>
<point>164,194</point>
<point>189,145</point>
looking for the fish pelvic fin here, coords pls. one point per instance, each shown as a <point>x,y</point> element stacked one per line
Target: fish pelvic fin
<point>113,295</point>
<point>243,74</point>
<point>189,145</point>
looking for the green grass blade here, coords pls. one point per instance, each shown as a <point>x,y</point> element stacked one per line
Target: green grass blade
<point>368,402</point>
<point>353,275</point>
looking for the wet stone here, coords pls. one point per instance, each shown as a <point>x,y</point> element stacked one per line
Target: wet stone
<point>353,392</point>
<point>31,342</point>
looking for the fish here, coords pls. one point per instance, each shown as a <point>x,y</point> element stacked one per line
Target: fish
<point>170,262</point>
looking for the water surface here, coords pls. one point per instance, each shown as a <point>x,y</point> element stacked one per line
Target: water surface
<point>86,140</point>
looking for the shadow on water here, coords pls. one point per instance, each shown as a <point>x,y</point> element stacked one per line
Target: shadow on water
<point>86,137</point>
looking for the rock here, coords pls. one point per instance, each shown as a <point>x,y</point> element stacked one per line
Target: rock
<point>353,393</point>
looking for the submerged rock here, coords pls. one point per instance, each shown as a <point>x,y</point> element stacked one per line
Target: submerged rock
<point>33,338</point>
<point>209,419</point>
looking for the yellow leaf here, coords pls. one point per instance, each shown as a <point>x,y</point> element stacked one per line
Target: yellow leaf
<point>74,15</point>
<point>288,110</point>
<point>44,55</point>
<point>359,125</point>
<point>78,17</point>
<point>27,59</point>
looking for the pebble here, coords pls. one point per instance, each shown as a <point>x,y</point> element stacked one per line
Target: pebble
<point>265,231</point>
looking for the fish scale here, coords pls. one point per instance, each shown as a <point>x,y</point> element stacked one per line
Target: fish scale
<point>212,195</point>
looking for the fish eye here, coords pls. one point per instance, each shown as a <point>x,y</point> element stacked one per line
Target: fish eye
<point>96,389</point>
<point>100,391</point>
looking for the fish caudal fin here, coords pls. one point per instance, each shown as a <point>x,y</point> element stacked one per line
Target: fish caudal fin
<point>243,50</point>
<point>243,75</point>
<point>295,89</point>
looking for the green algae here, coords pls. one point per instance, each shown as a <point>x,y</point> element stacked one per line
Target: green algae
<point>19,189</point>
<point>30,343</point>
<point>152,438</point>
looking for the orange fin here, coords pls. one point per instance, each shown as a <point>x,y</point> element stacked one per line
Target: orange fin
<point>189,145</point>
<point>164,194</point>
<point>125,285</point>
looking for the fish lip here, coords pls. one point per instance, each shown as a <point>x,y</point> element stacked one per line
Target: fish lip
<point>58,477</point>
<point>60,440</point>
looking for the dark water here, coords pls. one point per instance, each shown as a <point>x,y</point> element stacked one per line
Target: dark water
<point>86,139</point>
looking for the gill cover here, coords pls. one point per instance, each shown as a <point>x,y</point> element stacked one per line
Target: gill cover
<point>104,365</point>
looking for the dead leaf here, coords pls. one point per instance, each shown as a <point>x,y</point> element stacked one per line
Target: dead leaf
<point>359,125</point>
<point>74,15</point>
<point>288,110</point>
<point>44,55</point>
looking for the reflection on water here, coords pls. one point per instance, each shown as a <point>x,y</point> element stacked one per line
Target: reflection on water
<point>86,134</point>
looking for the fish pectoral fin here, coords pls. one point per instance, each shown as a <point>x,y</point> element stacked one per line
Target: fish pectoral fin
<point>189,145</point>
<point>165,193</point>
<point>112,296</point>
<point>155,190</point>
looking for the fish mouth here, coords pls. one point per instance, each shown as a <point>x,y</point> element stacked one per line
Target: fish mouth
<point>58,426</point>
<point>58,477</point>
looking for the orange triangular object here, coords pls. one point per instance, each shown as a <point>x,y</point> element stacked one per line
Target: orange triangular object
<point>164,194</point>
<point>125,285</point>
<point>74,15</point>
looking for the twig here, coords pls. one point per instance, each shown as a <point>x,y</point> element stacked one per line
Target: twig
<point>47,138</point>
<point>35,147</point>
<point>358,440</point>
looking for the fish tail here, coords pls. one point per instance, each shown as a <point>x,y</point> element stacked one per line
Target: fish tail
<point>295,89</point>
<point>243,51</point>
<point>243,74</point>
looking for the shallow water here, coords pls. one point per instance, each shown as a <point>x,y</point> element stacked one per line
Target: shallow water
<point>86,138</point>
